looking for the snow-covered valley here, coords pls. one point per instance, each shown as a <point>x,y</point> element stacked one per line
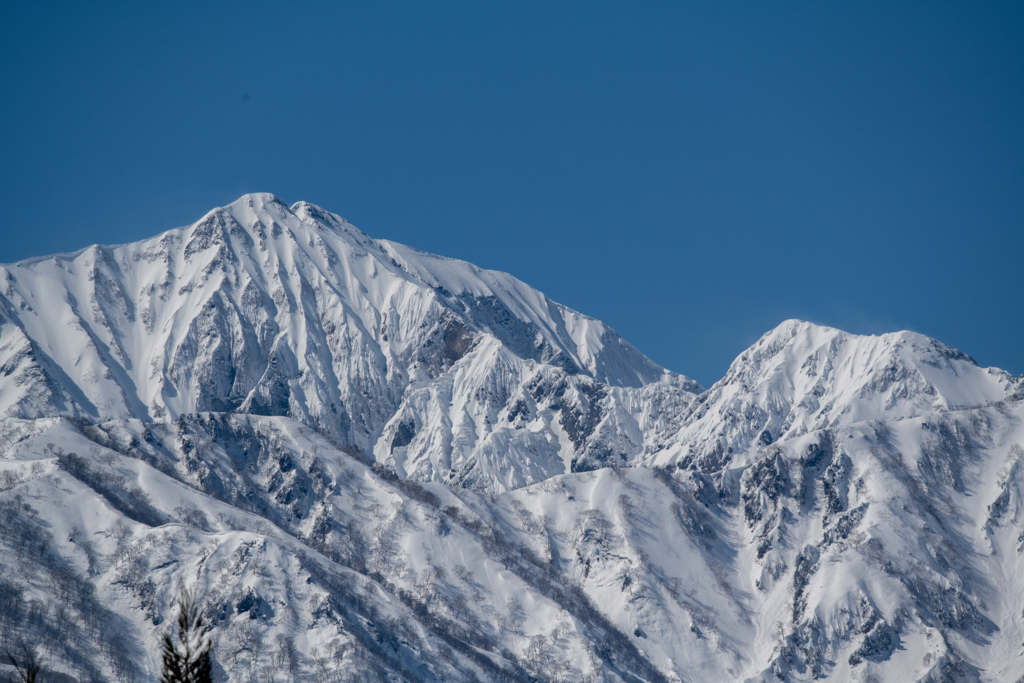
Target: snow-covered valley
<point>373,463</point>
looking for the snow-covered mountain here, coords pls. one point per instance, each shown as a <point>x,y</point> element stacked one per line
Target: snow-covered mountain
<point>373,463</point>
<point>439,369</point>
<point>801,378</point>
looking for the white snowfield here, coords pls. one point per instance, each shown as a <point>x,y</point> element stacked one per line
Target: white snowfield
<point>372,463</point>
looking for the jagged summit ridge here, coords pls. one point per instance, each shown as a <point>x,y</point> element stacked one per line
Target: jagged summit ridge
<point>266,309</point>
<point>253,399</point>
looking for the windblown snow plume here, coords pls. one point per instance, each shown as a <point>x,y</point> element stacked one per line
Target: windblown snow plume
<point>372,463</point>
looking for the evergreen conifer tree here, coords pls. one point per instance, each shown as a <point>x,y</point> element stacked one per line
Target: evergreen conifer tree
<point>186,654</point>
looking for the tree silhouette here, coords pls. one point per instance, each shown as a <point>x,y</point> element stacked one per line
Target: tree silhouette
<point>26,663</point>
<point>186,654</point>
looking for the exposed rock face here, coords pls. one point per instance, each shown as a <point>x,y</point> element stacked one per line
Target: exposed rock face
<point>377,464</point>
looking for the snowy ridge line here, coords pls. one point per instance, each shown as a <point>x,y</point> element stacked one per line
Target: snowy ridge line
<point>375,464</point>
<point>266,309</point>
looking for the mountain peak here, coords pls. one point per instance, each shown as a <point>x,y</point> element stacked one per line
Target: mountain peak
<point>255,395</point>
<point>253,199</point>
<point>802,338</point>
<point>795,326</point>
<point>801,377</point>
<point>794,335</point>
<point>261,308</point>
<point>256,207</point>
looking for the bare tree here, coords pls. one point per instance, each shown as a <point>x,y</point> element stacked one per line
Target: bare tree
<point>26,662</point>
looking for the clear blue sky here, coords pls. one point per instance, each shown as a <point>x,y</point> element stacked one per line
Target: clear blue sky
<point>691,173</point>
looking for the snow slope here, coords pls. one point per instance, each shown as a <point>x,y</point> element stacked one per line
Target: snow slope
<point>801,377</point>
<point>377,464</point>
<point>442,370</point>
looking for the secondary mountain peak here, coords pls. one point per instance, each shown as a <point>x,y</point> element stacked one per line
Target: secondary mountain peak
<point>801,377</point>
<point>375,463</point>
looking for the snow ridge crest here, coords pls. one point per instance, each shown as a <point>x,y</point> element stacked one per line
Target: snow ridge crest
<point>267,309</point>
<point>378,464</point>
